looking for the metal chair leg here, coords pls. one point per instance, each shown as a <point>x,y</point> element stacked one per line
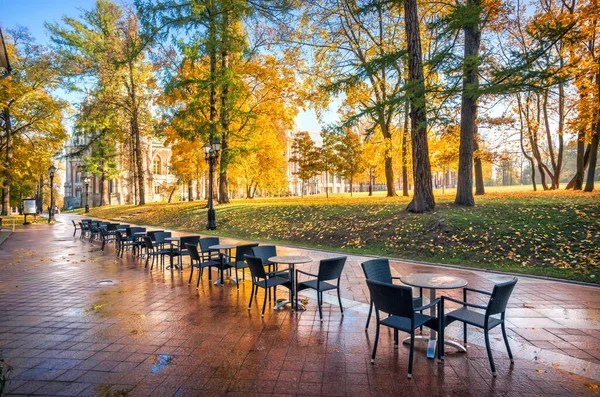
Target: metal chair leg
<point>506,343</point>
<point>489,351</point>
<point>375,344</point>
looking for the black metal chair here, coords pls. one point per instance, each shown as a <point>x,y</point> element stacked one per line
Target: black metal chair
<point>208,255</point>
<point>152,250</point>
<point>75,227</point>
<point>262,279</point>
<point>329,270</point>
<point>122,243</point>
<point>397,301</point>
<point>83,227</point>
<point>238,262</point>
<point>107,237</point>
<point>497,305</point>
<point>265,252</point>
<point>133,239</point>
<point>197,261</point>
<point>380,270</point>
<point>182,248</point>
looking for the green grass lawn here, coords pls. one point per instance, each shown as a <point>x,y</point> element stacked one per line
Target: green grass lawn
<point>555,234</point>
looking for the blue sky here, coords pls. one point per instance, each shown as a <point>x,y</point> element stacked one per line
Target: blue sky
<point>33,13</point>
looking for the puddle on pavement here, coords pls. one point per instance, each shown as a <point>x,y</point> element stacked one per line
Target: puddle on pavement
<point>160,362</point>
<point>106,282</point>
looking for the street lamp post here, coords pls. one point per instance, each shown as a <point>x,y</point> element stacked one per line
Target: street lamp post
<point>86,181</point>
<point>211,155</point>
<point>51,172</point>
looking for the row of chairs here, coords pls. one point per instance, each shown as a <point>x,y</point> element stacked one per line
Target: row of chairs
<point>264,273</point>
<point>403,312</point>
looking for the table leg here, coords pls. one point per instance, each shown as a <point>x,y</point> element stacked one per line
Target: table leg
<point>292,298</point>
<point>432,333</point>
<point>432,339</point>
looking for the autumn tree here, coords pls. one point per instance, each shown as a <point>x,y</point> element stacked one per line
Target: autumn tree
<point>423,194</point>
<point>351,156</point>
<point>104,45</point>
<point>29,111</point>
<point>347,41</point>
<point>307,156</point>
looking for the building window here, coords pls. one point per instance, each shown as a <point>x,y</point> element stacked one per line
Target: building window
<point>156,169</point>
<point>156,189</point>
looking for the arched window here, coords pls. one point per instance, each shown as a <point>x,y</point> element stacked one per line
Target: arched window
<point>156,166</point>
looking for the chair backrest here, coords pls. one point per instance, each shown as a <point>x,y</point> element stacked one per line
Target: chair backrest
<point>500,296</point>
<point>242,250</point>
<point>393,299</point>
<point>192,240</point>
<point>208,242</point>
<point>257,268</point>
<point>377,270</point>
<point>148,243</point>
<point>264,252</point>
<point>159,237</point>
<point>133,230</point>
<point>193,250</point>
<point>331,269</point>
<point>122,227</point>
<point>153,233</point>
<point>112,227</point>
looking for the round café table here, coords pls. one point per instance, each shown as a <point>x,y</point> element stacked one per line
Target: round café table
<point>433,282</point>
<point>222,248</point>
<point>291,261</point>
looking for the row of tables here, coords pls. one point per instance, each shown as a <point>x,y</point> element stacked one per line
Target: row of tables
<point>431,281</point>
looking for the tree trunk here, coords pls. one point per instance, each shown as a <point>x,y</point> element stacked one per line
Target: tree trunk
<point>172,192</point>
<point>370,181</point>
<point>389,167</point>
<point>8,164</point>
<point>135,129</point>
<point>405,150</point>
<point>479,186</point>
<point>533,174</point>
<point>351,183</point>
<point>468,114</point>
<point>326,184</point>
<point>583,158</point>
<point>190,191</point>
<point>423,195</point>
<point>589,184</point>
<point>224,164</point>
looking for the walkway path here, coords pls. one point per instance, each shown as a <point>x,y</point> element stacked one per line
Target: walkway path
<point>77,320</point>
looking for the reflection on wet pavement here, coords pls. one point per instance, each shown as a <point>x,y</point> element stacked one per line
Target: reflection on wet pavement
<point>76,320</point>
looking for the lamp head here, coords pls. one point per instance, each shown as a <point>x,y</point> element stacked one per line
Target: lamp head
<point>216,145</point>
<point>51,170</point>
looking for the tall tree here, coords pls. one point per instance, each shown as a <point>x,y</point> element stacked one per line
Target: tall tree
<point>104,46</point>
<point>350,153</point>
<point>470,93</point>
<point>27,107</point>
<point>423,197</point>
<point>306,155</point>
<point>350,43</point>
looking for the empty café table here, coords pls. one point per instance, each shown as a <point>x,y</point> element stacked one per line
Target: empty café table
<point>433,282</point>
<point>291,261</point>
<point>222,248</point>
